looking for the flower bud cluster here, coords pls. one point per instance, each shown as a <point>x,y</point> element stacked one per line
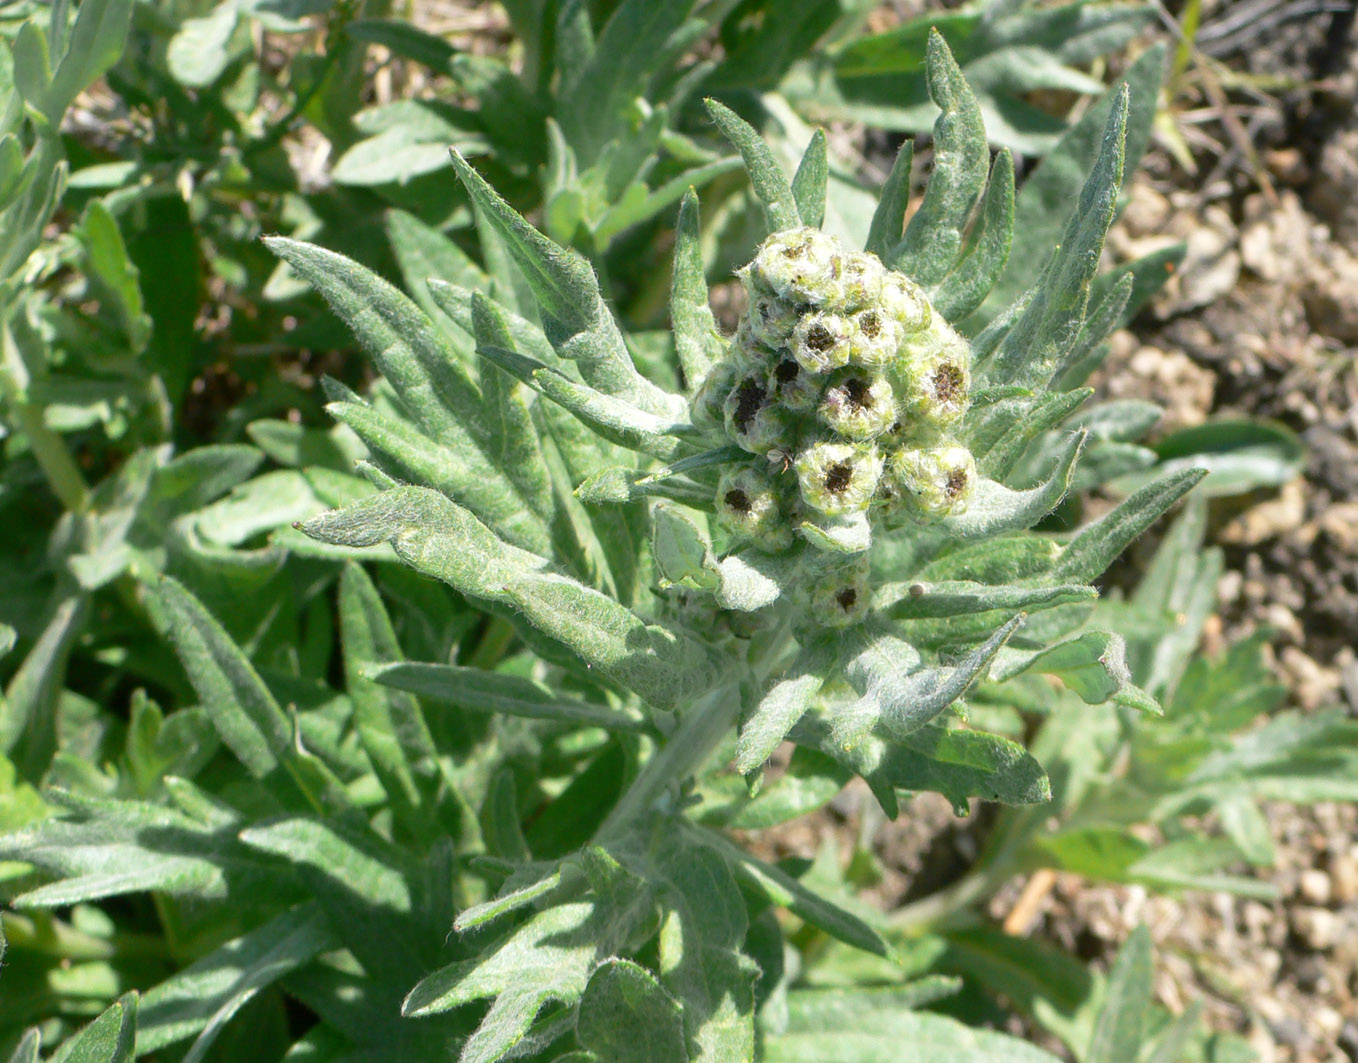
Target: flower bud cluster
<point>842,383</point>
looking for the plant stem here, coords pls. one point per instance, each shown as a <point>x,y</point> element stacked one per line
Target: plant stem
<point>700,731</point>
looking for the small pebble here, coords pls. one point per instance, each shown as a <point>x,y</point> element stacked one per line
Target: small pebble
<point>1314,886</point>
<point>1320,928</point>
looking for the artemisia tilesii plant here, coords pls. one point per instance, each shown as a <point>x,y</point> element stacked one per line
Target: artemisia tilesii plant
<point>826,536</point>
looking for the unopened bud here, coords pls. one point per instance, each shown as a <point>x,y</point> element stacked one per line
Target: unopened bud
<point>708,408</point>
<point>802,265</point>
<point>748,507</point>
<point>822,341</point>
<point>752,419</point>
<point>793,387</point>
<point>939,375</point>
<point>905,301</point>
<point>857,405</point>
<point>771,319</point>
<point>841,594</point>
<point>838,477</point>
<point>934,481</point>
<point>875,338</point>
<point>861,280</point>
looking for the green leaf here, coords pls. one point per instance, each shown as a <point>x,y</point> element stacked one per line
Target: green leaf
<point>390,722</point>
<point>1036,347</point>
<point>987,248</point>
<point>683,556</point>
<point>961,597</point>
<point>995,509</point>
<point>782,705</point>
<point>28,711</point>
<point>577,320</point>
<point>933,239</point>
<point>1097,544</point>
<point>896,697</point>
<point>1093,665</point>
<point>199,50</point>
<point>105,848</point>
<point>404,39</point>
<point>108,264</point>
<point>767,179</point>
<point>26,1050</point>
<point>111,1038</point>
<point>1044,200</point>
<point>1239,456</point>
<point>696,339</point>
<point>96,43</point>
<point>475,690</point>
<point>888,219</point>
<point>873,1031</point>
<point>201,998</point>
<point>443,540</point>
<point>808,183</point>
<point>1120,1029</point>
<point>625,1015</point>
<point>615,419</point>
<point>414,357</point>
<point>243,710</point>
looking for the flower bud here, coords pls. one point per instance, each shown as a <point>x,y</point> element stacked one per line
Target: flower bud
<point>821,341</point>
<point>905,301</point>
<point>939,376</point>
<point>838,477</point>
<point>861,280</point>
<point>708,406</point>
<point>935,481</point>
<point>772,319</point>
<point>801,265</point>
<point>793,387</point>
<point>748,507</point>
<point>857,405</point>
<point>840,594</point>
<point>875,338</point>
<point>753,420</point>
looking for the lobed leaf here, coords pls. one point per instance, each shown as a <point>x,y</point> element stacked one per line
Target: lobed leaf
<point>782,705</point>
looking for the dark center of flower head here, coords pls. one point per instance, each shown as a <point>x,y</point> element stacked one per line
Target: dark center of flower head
<point>847,598</point>
<point>838,477</point>
<point>870,324</point>
<point>737,501</point>
<point>795,251</point>
<point>948,382</point>
<point>786,371</point>
<point>749,397</point>
<point>957,483</point>
<point>858,392</point>
<point>819,338</point>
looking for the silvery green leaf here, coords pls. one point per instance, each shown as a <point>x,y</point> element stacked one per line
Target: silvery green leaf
<point>995,509</point>
<point>875,1034</point>
<point>96,42</point>
<point>904,601</point>
<point>1119,1031</point>
<point>26,1049</point>
<point>1040,215</point>
<point>418,362</point>
<point>501,823</point>
<point>683,556</point>
<point>246,716</point>
<point>888,219</point>
<point>480,914</point>
<point>1004,560</point>
<point>613,418</point>
<point>366,887</point>
<point>456,301</point>
<point>411,455</point>
<point>897,697</point>
<point>696,339</point>
<point>933,239</point>
<point>1089,351</point>
<point>625,1014</point>
<point>200,998</point>
<point>1098,544</point>
<point>1038,344</point>
<point>1001,434</point>
<point>1093,665</point>
<point>617,486</point>
<point>987,248</point>
<point>443,540</point>
<point>808,183</point>
<point>198,52</point>
<point>107,848</point>
<point>766,177</point>
<point>849,534</point>
<point>647,203</point>
<point>576,318</point>
<point>424,253</point>
<point>476,690</point>
<point>111,1038</point>
<point>1121,420</point>
<point>782,705</point>
<point>780,888</point>
<point>296,445</point>
<point>28,711</point>
<point>390,722</point>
